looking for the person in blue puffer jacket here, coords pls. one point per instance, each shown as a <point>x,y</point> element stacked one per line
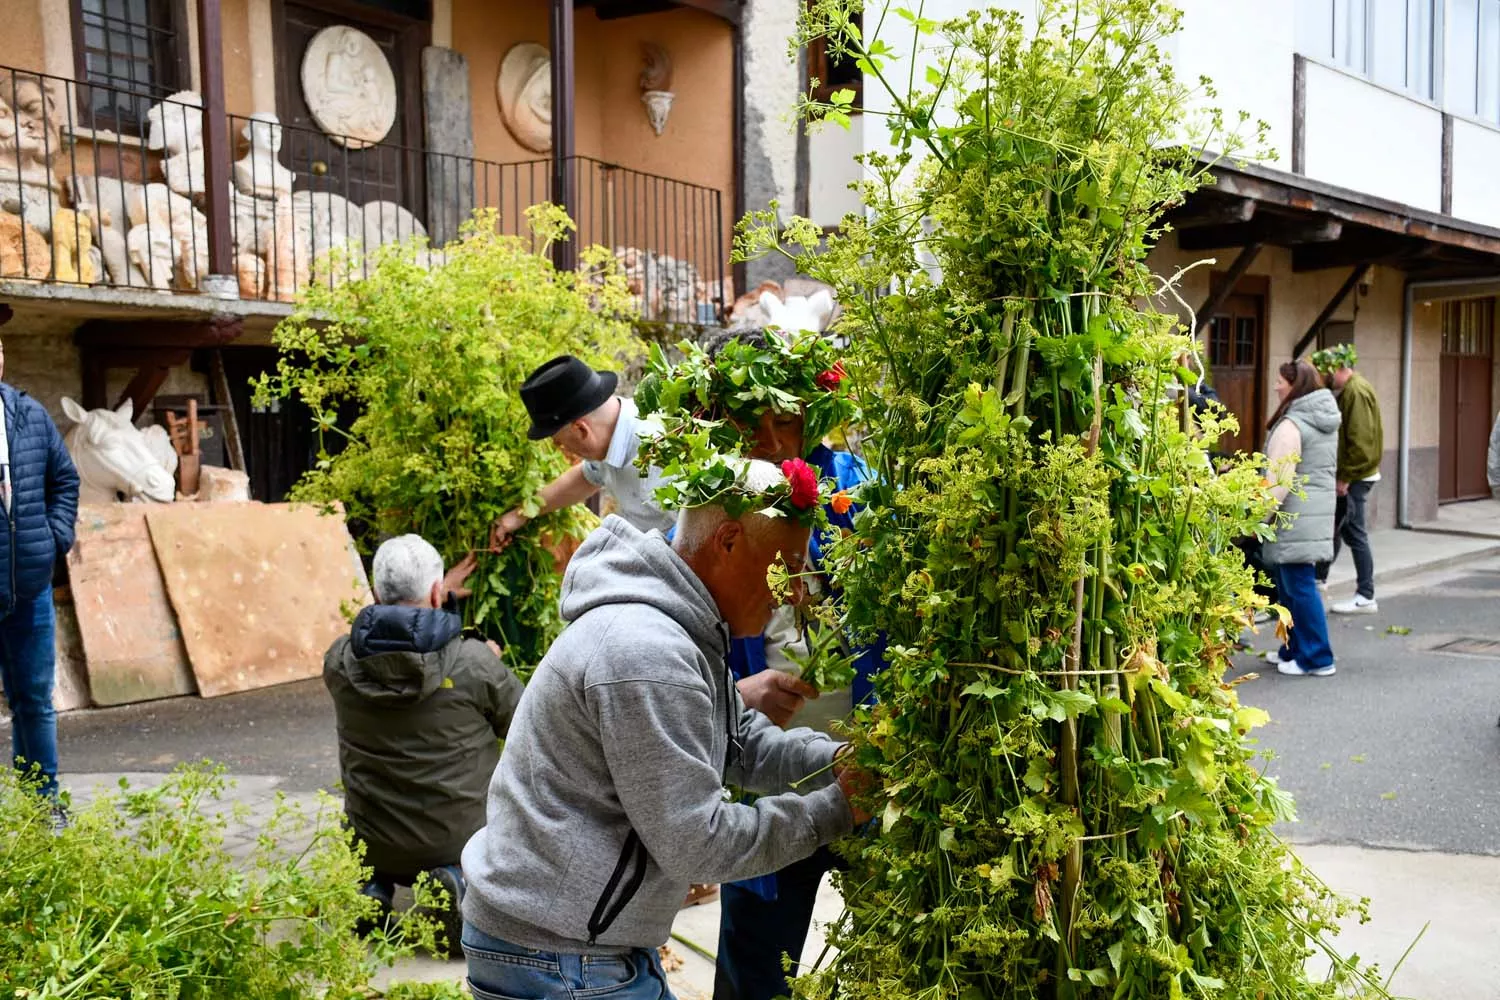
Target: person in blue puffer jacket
<point>39,495</point>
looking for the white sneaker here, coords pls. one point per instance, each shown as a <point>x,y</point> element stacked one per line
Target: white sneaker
<point>1356,605</point>
<point>1274,657</point>
<point>1292,669</point>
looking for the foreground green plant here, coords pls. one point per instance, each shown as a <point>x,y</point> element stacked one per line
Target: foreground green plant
<point>1070,803</point>
<point>138,897</point>
<point>413,376</point>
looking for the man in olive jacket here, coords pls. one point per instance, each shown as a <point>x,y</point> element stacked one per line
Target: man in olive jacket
<point>1361,444</point>
<point>420,709</point>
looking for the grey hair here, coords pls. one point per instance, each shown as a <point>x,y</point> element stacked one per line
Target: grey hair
<point>696,525</point>
<point>406,567</point>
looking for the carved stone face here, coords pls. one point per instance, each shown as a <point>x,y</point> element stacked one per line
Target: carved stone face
<point>30,125</point>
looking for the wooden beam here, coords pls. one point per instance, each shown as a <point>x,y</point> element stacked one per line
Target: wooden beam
<point>218,148</point>
<point>1328,310</point>
<point>727,10</point>
<point>233,447</point>
<point>1218,296</point>
<point>1352,250</point>
<point>115,333</point>
<point>143,388</point>
<point>731,11</point>
<point>1299,114</point>
<point>1445,192</point>
<point>1279,231</point>
<point>1215,212</point>
<point>564,167</point>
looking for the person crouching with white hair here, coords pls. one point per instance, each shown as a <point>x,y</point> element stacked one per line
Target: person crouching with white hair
<point>610,800</point>
<point>420,710</point>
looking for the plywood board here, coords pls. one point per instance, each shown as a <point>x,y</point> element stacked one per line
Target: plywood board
<point>259,589</point>
<point>132,648</point>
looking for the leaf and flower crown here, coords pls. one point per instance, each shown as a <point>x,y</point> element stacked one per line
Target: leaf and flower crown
<point>707,408</point>
<point>723,481</point>
<point>1331,359</point>
<point>726,392</point>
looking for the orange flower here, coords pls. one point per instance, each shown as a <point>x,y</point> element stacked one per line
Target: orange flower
<point>841,502</point>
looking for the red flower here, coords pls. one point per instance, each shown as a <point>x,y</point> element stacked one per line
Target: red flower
<point>830,379</point>
<point>804,482</point>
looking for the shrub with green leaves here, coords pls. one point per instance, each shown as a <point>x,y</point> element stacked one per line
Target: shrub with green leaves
<point>413,376</point>
<point>139,897</point>
<point>1070,804</point>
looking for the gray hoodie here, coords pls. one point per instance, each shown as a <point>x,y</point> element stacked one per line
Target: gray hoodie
<point>608,802</point>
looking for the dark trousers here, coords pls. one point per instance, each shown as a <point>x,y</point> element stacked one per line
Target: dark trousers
<point>28,666</point>
<point>754,932</point>
<point>1350,529</point>
<point>1250,547</point>
<point>1297,591</point>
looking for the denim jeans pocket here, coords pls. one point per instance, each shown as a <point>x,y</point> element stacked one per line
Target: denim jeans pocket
<point>603,974</point>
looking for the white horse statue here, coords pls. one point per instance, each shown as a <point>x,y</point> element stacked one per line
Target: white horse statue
<point>114,457</point>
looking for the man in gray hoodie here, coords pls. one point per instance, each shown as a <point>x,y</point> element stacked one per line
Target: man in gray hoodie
<point>609,800</point>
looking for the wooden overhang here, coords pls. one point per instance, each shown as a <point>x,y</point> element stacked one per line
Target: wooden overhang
<point>1250,207</point>
<point>1330,227</point>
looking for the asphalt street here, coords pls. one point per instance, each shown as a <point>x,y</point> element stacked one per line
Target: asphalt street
<point>1400,748</point>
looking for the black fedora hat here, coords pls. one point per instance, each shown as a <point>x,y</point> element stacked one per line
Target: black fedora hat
<point>561,391</point>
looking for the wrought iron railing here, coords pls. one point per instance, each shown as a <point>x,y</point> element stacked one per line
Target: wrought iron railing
<point>131,211</point>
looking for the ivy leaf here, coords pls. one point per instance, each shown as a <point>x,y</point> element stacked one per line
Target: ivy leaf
<point>1062,705</point>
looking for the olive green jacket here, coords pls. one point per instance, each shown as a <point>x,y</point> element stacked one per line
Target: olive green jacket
<point>1361,437</point>
<point>420,711</point>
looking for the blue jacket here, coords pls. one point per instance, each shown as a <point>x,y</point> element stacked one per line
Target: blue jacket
<point>43,503</point>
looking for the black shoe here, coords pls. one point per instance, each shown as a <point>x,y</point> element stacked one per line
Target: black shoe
<point>450,919</point>
<point>384,895</point>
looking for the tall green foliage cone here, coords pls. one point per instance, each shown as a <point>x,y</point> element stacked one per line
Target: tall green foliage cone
<point>413,376</point>
<point>1069,802</point>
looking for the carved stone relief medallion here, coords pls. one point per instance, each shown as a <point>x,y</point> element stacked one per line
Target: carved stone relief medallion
<point>349,87</point>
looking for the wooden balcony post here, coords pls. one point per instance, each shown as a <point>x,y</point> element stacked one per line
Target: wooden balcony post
<point>218,148</point>
<point>564,174</point>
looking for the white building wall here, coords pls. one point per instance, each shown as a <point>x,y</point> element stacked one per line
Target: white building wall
<point>1360,136</point>
<point>1368,139</point>
<point>832,168</point>
<point>1476,172</point>
<point>1246,49</point>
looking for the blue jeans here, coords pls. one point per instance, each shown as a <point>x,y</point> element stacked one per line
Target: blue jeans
<point>1297,589</point>
<point>28,665</point>
<point>499,970</point>
<point>755,932</point>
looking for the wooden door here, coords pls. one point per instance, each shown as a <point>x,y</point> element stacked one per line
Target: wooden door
<point>394,169</point>
<point>1466,370</point>
<point>1236,356</point>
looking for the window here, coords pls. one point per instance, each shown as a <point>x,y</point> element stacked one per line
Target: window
<point>130,54</point>
<point>1469,327</point>
<point>835,73</point>
<point>1473,58</point>
<point>1390,41</point>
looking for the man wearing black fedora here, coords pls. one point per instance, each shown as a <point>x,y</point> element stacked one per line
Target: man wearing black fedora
<point>577,408</point>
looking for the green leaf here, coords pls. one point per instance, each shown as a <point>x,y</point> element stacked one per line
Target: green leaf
<point>1038,774</point>
<point>947,839</point>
